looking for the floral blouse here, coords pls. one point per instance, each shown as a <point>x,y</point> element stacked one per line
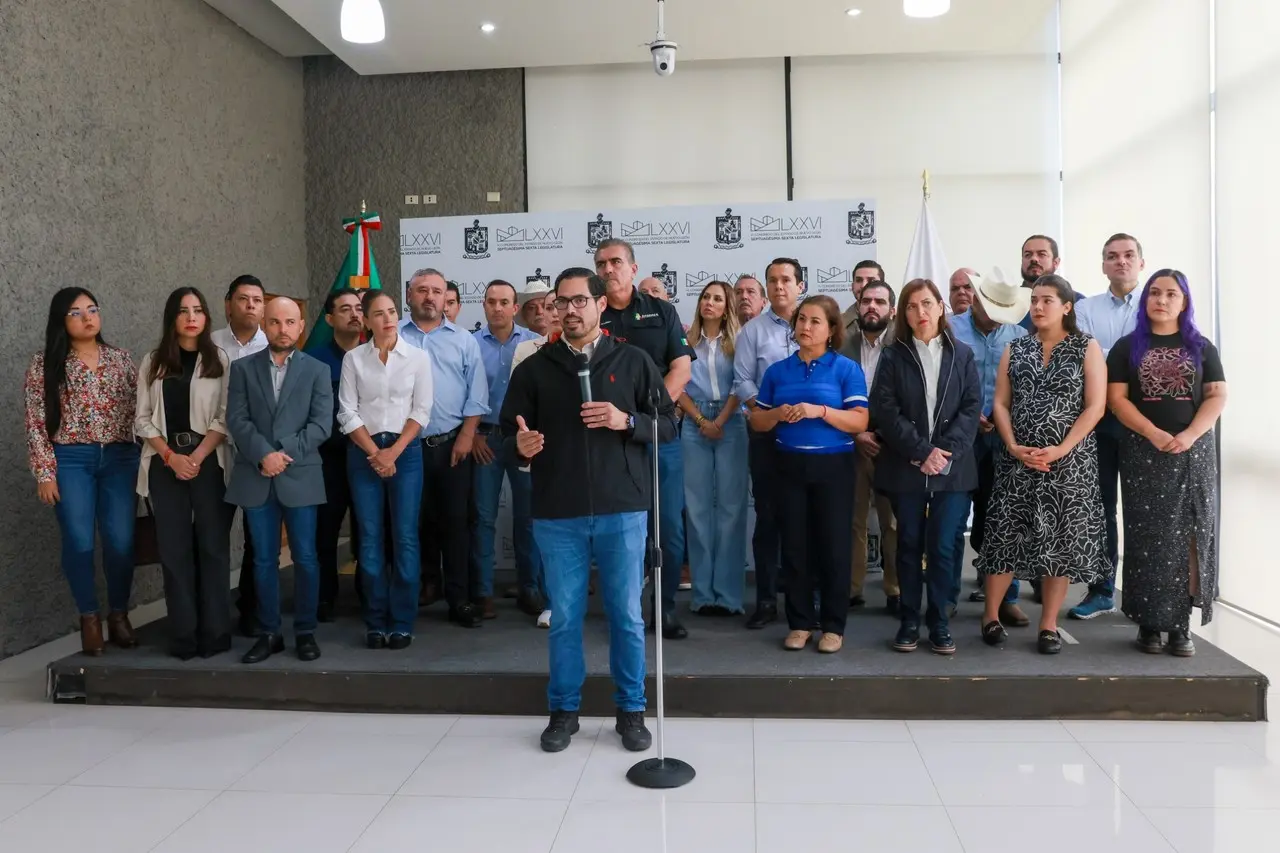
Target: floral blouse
<point>97,406</point>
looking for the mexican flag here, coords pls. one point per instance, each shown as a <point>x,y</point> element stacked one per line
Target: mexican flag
<point>358,271</point>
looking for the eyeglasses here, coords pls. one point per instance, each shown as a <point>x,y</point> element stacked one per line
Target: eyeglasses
<point>578,302</point>
<point>78,314</point>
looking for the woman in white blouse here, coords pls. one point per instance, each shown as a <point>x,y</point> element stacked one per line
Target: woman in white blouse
<point>182,406</point>
<point>384,402</point>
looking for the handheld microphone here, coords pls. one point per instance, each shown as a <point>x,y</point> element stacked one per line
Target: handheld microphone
<point>584,377</point>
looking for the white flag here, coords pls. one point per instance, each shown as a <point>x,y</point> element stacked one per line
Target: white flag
<point>927,259</point>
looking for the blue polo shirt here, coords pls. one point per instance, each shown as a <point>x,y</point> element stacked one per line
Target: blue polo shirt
<point>832,380</point>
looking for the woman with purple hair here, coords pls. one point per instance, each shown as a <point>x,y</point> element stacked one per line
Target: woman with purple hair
<point>1167,387</point>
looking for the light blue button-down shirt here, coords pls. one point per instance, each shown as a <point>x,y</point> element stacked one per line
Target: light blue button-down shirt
<point>987,350</point>
<point>496,357</point>
<point>1109,317</point>
<point>763,342</point>
<point>459,385</point>
<point>711,376</point>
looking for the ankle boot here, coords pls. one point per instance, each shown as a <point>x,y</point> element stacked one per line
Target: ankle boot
<point>120,632</point>
<point>91,635</point>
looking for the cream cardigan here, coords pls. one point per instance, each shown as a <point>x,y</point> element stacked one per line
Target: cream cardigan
<point>208,414</point>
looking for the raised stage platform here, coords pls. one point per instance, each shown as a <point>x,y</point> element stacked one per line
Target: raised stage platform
<point>720,670</point>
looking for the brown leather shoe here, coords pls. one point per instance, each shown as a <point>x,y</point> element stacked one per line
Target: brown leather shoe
<point>796,640</point>
<point>91,635</point>
<point>830,643</point>
<point>120,632</point>
<point>1011,614</point>
<point>487,610</point>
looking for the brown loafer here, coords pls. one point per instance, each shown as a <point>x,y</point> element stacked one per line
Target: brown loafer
<point>487,610</point>
<point>120,631</point>
<point>1011,614</point>
<point>830,643</point>
<point>91,635</point>
<point>796,640</point>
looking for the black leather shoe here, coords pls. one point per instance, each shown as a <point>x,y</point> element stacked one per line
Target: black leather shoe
<point>308,649</point>
<point>184,649</point>
<point>857,601</point>
<point>671,627</point>
<point>977,596</point>
<point>324,612</point>
<point>466,615</point>
<point>530,603</point>
<point>1150,641</point>
<point>993,633</point>
<point>907,638</point>
<point>892,605</point>
<point>562,728</point>
<point>941,643</point>
<point>635,737</point>
<point>216,646</point>
<point>1050,643</point>
<point>766,612</point>
<point>375,640</point>
<point>1180,644</point>
<point>266,646</point>
<point>396,642</point>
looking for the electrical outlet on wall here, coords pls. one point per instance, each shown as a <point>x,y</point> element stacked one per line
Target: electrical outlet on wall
<point>494,196</point>
<point>411,199</point>
<point>429,199</point>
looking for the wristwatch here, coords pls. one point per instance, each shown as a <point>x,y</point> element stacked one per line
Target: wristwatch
<point>631,423</point>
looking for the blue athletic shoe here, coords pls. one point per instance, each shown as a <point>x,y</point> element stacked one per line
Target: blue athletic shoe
<point>1094,604</point>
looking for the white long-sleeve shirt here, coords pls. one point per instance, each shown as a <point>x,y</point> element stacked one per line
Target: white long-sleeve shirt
<point>382,397</point>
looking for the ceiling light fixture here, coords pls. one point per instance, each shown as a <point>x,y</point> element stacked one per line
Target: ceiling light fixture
<point>925,8</point>
<point>362,21</point>
<point>853,13</point>
<point>487,28</point>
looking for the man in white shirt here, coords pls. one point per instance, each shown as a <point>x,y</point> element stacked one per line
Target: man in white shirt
<point>874,330</point>
<point>243,336</point>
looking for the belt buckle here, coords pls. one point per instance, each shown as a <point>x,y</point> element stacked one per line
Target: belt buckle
<point>182,439</point>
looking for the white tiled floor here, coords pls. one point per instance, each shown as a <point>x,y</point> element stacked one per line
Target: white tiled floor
<point>190,780</point>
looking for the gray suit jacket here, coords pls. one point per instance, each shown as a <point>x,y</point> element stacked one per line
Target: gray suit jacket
<point>298,423</point>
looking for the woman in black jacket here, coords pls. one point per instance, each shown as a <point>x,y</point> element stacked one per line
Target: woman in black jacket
<point>926,402</point>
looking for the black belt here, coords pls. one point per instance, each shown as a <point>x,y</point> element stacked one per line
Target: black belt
<point>184,440</point>
<point>442,438</point>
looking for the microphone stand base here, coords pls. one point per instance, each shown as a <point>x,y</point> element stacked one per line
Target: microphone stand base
<point>661,773</point>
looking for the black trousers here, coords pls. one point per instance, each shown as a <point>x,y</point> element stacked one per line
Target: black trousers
<point>762,459</point>
<point>193,528</point>
<point>444,525</point>
<point>984,453</point>
<point>1108,435</point>
<point>247,600</point>
<point>815,503</point>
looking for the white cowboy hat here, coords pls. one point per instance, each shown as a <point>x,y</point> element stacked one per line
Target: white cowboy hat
<point>536,289</point>
<point>1004,302</point>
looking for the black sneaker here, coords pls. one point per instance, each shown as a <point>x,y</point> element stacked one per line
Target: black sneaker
<point>1150,641</point>
<point>941,643</point>
<point>563,726</point>
<point>1180,644</point>
<point>635,737</point>
<point>908,638</point>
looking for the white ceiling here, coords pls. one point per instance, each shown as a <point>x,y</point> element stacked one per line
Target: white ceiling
<point>444,35</point>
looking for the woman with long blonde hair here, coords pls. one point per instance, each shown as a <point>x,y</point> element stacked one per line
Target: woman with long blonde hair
<point>713,441</point>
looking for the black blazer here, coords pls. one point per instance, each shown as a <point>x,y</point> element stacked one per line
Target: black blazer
<point>901,416</point>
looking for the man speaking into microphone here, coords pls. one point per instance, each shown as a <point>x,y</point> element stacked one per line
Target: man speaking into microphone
<point>580,412</point>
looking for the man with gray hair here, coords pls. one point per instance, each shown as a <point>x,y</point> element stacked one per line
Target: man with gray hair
<point>750,294</point>
<point>961,287</point>
<point>460,391</point>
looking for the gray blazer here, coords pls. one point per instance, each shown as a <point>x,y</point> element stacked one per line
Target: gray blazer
<point>298,423</point>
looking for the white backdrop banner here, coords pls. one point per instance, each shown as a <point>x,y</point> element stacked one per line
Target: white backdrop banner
<point>684,247</point>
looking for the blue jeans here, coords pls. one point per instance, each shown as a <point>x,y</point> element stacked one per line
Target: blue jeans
<point>487,491</point>
<point>715,499</point>
<point>300,524</point>
<point>569,545</point>
<point>390,598</point>
<point>671,509</point>
<point>928,521</point>
<point>97,489</point>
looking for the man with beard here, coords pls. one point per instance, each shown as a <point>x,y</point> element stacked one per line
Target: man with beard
<point>874,332</point>
<point>960,287</point>
<point>864,272</point>
<point>1039,257</point>
<point>750,294</point>
<point>987,328</point>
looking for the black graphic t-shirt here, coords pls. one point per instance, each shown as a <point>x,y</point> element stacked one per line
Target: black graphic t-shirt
<point>1166,387</point>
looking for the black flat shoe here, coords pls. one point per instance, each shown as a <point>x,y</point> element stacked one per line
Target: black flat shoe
<point>993,633</point>
<point>1180,644</point>
<point>375,640</point>
<point>672,629</point>
<point>466,616</point>
<point>1150,641</point>
<point>265,646</point>
<point>397,642</point>
<point>307,648</point>
<point>1050,643</point>
<point>765,613</point>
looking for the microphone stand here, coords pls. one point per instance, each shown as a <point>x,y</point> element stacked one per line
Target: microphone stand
<point>660,772</point>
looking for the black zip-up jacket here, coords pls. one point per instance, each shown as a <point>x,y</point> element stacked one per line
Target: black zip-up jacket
<point>901,416</point>
<point>583,472</point>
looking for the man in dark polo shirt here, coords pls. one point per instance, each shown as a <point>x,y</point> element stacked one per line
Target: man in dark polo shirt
<point>652,325</point>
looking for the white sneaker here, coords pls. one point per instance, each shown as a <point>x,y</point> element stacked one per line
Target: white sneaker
<point>544,619</point>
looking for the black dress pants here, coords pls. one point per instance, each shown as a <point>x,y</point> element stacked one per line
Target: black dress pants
<point>1107,435</point>
<point>762,460</point>
<point>247,599</point>
<point>193,530</point>
<point>815,503</point>
<point>445,522</point>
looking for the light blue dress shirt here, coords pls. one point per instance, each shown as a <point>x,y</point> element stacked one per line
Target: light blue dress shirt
<point>711,376</point>
<point>764,341</point>
<point>496,357</point>
<point>987,351</point>
<point>1109,317</point>
<point>459,385</point>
